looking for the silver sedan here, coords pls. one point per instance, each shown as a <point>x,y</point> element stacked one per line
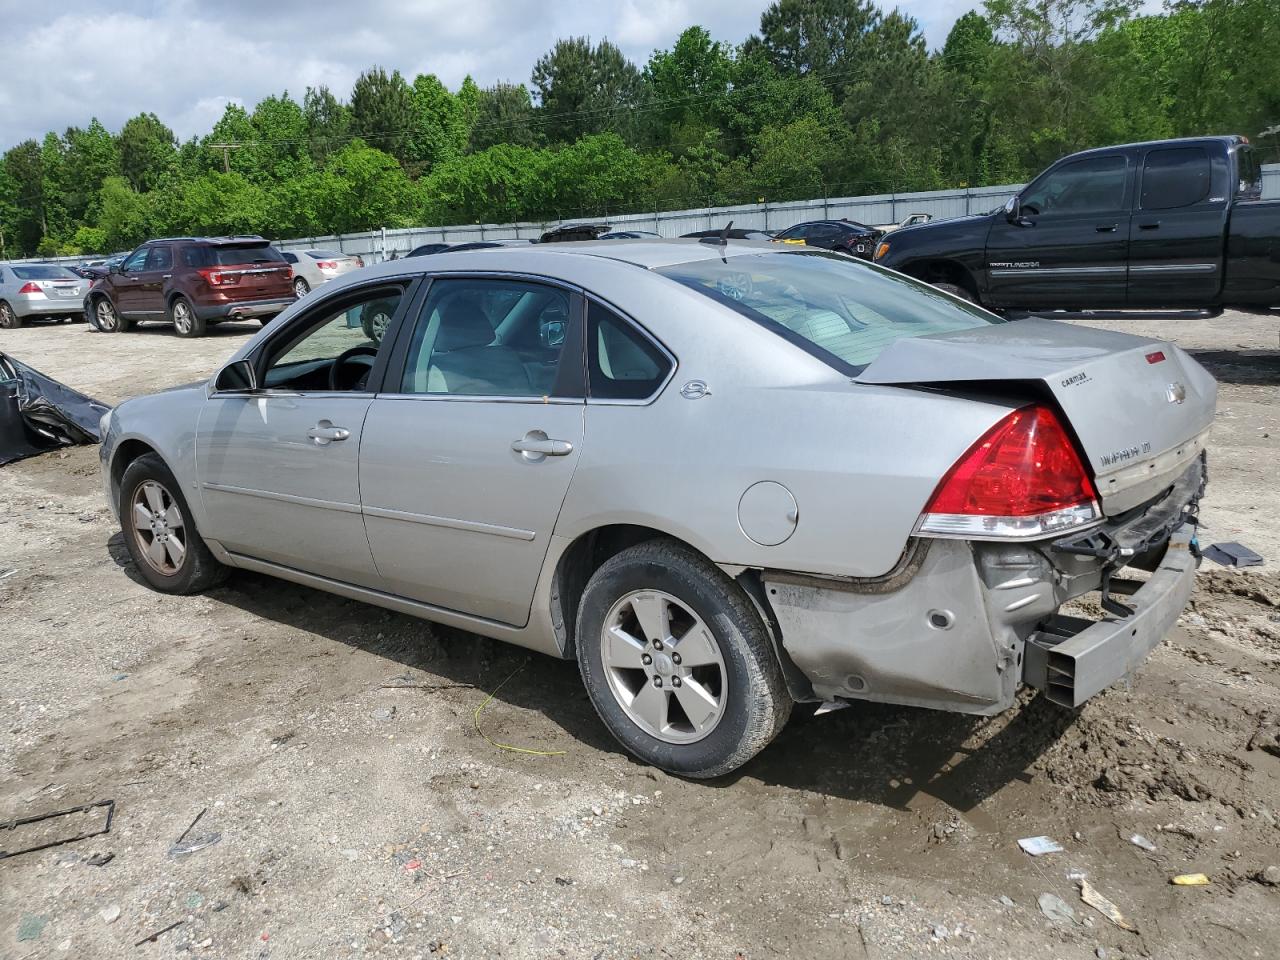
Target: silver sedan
<point>39,291</point>
<point>311,268</point>
<point>725,477</point>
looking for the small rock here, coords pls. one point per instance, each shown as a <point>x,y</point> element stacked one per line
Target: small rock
<point>30,926</point>
<point>1006,901</point>
<point>65,945</point>
<point>1269,875</point>
<point>383,713</point>
<point>597,811</point>
<point>628,862</point>
<point>110,914</point>
<point>940,932</point>
<point>1055,908</point>
<point>1100,953</point>
<point>886,901</point>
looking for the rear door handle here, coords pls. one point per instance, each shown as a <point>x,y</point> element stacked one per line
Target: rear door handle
<point>1106,227</point>
<point>1149,226</point>
<point>535,445</point>
<point>324,433</point>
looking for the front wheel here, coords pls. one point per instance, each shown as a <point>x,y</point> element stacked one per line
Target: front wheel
<point>185,321</point>
<point>160,532</point>
<point>8,319</point>
<point>677,661</point>
<point>108,320</point>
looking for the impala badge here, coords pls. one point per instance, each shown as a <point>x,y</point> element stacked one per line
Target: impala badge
<point>1176,392</point>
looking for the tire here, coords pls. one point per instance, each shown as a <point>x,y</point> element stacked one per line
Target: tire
<point>148,482</point>
<point>375,318</point>
<point>300,287</point>
<point>739,699</point>
<point>186,323</point>
<point>8,319</point>
<point>957,291</point>
<point>109,320</point>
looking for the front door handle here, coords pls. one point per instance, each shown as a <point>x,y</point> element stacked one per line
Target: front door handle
<point>325,432</point>
<point>1155,225</point>
<point>535,445</point>
<point>1106,227</point>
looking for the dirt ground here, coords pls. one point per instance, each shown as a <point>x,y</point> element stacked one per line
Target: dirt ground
<point>335,750</point>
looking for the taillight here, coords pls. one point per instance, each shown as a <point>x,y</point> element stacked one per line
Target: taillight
<point>327,264</point>
<point>216,278</point>
<point>1022,479</point>
<point>30,288</point>
<point>359,261</point>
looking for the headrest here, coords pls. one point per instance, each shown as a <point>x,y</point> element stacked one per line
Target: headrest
<point>462,324</point>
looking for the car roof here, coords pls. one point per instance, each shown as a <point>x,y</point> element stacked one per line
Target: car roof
<point>1229,140</point>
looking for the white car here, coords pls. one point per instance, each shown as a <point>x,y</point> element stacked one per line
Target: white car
<point>311,268</point>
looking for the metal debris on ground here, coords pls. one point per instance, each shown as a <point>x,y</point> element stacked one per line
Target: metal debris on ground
<point>159,933</point>
<point>11,825</point>
<point>475,719</point>
<point>1039,846</point>
<point>1138,840</point>
<point>1232,554</point>
<point>183,846</point>
<point>1093,898</point>
<point>1055,908</point>
<point>1190,880</point>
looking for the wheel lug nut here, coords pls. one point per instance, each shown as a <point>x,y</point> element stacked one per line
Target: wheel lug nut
<point>657,681</point>
<point>646,659</point>
<point>675,658</point>
<point>675,681</point>
<point>657,644</point>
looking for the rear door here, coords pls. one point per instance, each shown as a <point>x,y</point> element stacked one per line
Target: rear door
<point>1070,246</point>
<point>467,456</point>
<point>1176,240</point>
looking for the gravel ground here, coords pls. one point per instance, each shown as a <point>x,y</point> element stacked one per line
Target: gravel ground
<point>337,752</point>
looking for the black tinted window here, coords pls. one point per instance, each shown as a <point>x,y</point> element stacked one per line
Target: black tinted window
<point>1249,186</point>
<point>1175,178</point>
<point>622,364</point>
<point>161,258</point>
<point>234,254</point>
<point>1092,185</point>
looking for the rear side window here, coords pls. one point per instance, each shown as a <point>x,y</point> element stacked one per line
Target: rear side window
<point>621,363</point>
<point>43,272</point>
<point>1249,185</point>
<point>192,257</point>
<point>161,258</point>
<point>1178,177</point>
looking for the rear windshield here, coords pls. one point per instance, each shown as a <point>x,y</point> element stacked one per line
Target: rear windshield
<point>842,312</point>
<point>325,255</point>
<point>234,254</point>
<point>43,272</point>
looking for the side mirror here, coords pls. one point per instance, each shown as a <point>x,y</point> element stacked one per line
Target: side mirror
<point>1013,209</point>
<point>116,268</point>
<point>237,377</point>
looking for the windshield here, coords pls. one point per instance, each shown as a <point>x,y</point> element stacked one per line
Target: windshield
<point>843,312</point>
<point>234,254</point>
<point>42,272</point>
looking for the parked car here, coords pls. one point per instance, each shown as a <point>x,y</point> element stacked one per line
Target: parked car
<point>39,291</point>
<point>311,268</point>
<point>1171,223</point>
<point>428,248</point>
<point>708,473</point>
<point>845,236</point>
<point>576,231</point>
<point>735,233</point>
<point>192,282</point>
<point>910,220</point>
<point>630,235</point>
<point>100,268</point>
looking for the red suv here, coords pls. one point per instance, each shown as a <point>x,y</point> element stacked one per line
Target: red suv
<point>192,282</point>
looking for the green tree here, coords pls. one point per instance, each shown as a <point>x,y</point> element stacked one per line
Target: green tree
<point>504,114</point>
<point>92,155</point>
<point>362,188</point>
<point>583,89</point>
<point>125,216</point>
<point>327,122</point>
<point>441,123</point>
<point>148,151</point>
<point>382,112</point>
<point>685,89</point>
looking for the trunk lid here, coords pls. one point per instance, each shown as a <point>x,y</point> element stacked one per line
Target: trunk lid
<point>1139,408</point>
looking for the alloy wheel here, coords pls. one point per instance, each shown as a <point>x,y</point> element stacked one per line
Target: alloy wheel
<point>159,528</point>
<point>301,288</point>
<point>182,317</point>
<point>664,666</point>
<point>106,315</point>
<point>378,324</point>
<point>7,317</point>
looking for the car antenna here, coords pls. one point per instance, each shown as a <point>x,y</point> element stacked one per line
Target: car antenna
<point>724,240</point>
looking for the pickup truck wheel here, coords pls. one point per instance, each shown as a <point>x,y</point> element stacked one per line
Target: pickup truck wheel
<point>677,661</point>
<point>109,321</point>
<point>185,321</point>
<point>8,319</point>
<point>160,532</point>
<point>957,291</point>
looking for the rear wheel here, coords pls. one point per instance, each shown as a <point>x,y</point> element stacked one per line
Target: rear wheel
<point>300,287</point>
<point>160,533</point>
<point>375,319</point>
<point>8,319</point>
<point>109,321</point>
<point>677,661</point>
<point>185,321</point>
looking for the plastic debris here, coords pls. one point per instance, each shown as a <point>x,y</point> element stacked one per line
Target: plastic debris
<point>1039,846</point>
<point>1232,554</point>
<point>31,926</point>
<point>1104,906</point>
<point>1190,880</point>
<point>1055,908</point>
<point>1138,840</point>
<point>37,413</point>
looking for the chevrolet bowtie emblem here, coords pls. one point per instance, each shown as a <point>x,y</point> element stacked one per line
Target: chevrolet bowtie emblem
<point>1176,393</point>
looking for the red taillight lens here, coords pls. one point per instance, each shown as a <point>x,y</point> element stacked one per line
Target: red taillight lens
<point>359,261</point>
<point>327,264</point>
<point>1023,478</point>
<point>30,288</point>
<point>216,278</point>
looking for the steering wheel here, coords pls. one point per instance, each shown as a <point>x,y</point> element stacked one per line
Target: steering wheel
<point>338,379</point>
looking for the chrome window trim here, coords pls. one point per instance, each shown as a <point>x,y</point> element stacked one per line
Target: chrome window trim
<point>484,398</point>
<point>639,328</point>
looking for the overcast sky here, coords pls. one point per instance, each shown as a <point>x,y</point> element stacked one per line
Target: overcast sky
<point>184,61</point>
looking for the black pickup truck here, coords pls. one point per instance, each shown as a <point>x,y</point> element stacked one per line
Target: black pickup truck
<point>1169,224</point>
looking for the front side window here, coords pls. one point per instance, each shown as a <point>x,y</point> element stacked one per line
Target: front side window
<point>488,338</point>
<point>137,260</point>
<point>798,232</point>
<point>622,364</point>
<point>841,311</point>
<point>1092,185</point>
<point>338,349</point>
<point>1173,178</point>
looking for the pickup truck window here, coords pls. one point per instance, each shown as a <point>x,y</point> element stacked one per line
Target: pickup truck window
<point>1178,177</point>
<point>1250,184</point>
<point>1091,185</point>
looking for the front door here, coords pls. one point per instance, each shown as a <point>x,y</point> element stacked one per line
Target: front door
<point>278,467</point>
<point>1070,246</point>
<point>1176,238</point>
<point>466,459</point>
<point>128,282</point>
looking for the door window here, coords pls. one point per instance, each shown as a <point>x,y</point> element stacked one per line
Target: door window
<point>161,258</point>
<point>489,338</point>
<point>798,232</point>
<point>137,260</point>
<point>1092,185</point>
<point>622,364</point>
<point>339,347</point>
<point>1173,178</point>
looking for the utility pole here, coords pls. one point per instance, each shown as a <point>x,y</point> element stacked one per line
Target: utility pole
<point>226,154</point>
